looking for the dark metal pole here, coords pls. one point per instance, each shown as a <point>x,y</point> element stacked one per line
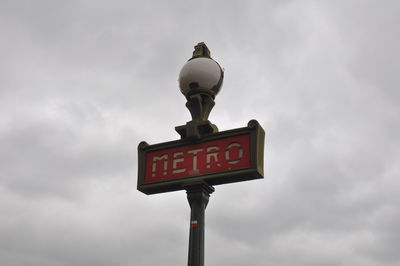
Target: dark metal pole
<point>198,195</point>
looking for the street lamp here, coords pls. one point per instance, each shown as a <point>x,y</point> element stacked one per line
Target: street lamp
<point>203,157</point>
<point>200,80</point>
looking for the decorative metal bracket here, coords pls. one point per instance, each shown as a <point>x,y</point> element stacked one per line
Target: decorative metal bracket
<point>200,106</point>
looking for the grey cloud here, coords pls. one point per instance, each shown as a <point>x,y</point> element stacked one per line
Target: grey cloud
<point>82,83</point>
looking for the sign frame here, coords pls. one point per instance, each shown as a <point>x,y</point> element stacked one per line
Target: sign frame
<point>255,170</point>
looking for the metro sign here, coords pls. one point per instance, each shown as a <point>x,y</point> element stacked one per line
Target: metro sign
<point>219,158</point>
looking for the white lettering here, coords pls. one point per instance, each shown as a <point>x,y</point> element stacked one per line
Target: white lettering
<point>154,164</point>
<point>212,155</point>
<point>175,162</point>
<point>227,152</point>
<point>194,152</point>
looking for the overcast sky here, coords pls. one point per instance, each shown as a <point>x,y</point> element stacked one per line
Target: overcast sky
<point>83,82</point>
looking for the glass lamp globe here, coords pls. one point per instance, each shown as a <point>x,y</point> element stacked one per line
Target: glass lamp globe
<point>201,75</point>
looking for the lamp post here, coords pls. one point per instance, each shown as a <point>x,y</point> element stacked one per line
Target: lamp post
<point>203,157</point>
<point>200,81</point>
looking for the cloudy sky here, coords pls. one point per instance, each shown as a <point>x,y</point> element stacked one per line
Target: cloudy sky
<point>83,82</point>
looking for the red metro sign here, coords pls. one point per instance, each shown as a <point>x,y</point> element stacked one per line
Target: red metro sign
<point>224,157</point>
<point>203,158</point>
